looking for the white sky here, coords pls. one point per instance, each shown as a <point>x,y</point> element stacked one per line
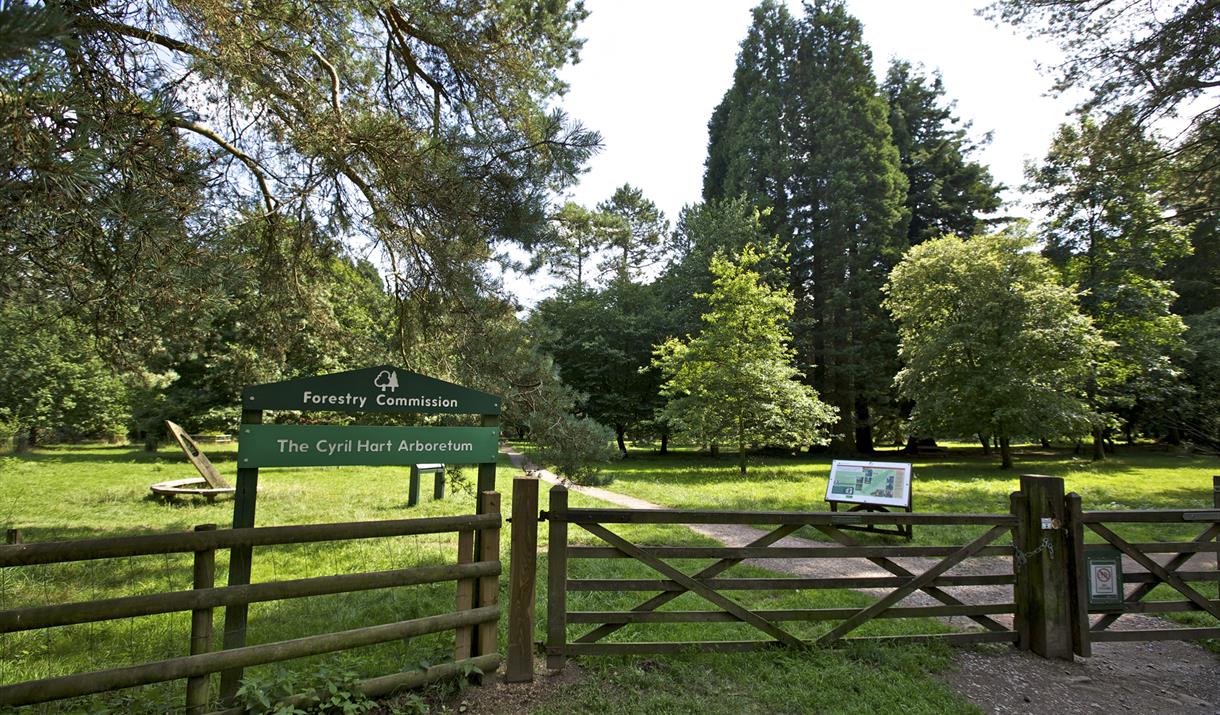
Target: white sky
<point>651,73</point>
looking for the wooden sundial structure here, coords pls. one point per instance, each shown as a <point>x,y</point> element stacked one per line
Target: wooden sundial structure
<point>209,484</point>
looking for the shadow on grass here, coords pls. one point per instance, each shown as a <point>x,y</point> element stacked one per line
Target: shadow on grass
<point>112,454</point>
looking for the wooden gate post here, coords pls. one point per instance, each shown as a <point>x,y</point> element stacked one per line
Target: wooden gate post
<point>557,576</point>
<point>522,581</point>
<point>1042,564</point>
<point>1216,503</point>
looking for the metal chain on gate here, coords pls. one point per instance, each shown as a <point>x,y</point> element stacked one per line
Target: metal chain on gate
<point>1020,558</point>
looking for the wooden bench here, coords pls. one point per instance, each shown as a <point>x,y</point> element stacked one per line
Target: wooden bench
<point>438,485</point>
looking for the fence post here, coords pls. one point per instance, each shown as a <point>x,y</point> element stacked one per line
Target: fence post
<point>1216,503</point>
<point>489,586</point>
<point>197,687</point>
<point>522,582</point>
<point>13,536</point>
<point>557,576</point>
<point>463,639</point>
<point>1081,645</point>
<point>1042,563</point>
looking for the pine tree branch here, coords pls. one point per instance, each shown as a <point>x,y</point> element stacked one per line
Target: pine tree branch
<point>255,168</point>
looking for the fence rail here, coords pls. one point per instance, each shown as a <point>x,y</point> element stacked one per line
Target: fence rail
<point>474,624</point>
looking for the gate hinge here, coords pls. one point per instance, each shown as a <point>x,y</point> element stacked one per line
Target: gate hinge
<point>542,515</point>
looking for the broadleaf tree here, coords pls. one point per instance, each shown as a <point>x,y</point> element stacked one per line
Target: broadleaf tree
<point>991,341</point>
<point>736,382</point>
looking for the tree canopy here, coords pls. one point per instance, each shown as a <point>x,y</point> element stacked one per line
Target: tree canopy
<point>991,341</point>
<point>139,135</point>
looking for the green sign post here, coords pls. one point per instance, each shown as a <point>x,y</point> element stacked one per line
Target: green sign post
<point>385,389</point>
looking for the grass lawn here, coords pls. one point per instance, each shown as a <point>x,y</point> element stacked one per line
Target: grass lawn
<point>82,491</point>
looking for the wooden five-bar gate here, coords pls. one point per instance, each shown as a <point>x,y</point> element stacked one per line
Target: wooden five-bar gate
<point>1046,607</point>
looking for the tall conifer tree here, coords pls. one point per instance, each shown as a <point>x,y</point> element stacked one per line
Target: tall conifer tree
<point>804,130</point>
<point>947,191</point>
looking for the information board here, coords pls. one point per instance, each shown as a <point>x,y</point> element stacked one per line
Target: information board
<point>879,483</point>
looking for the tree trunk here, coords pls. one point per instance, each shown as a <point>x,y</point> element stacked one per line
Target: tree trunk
<point>33,436</point>
<point>1099,449</point>
<point>1175,437</point>
<point>715,449</point>
<point>620,431</point>
<point>864,428</point>
<point>985,440</point>
<point>1046,443</point>
<point>1005,453</point>
<point>912,445</point>
<point>664,441</point>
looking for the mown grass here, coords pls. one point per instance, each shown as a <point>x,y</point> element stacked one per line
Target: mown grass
<point>75,492</point>
<point>958,480</point>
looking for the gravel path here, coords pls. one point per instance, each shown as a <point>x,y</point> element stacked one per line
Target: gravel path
<point>1162,677</point>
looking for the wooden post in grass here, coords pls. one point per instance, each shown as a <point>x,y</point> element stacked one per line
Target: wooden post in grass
<point>1216,503</point>
<point>197,687</point>
<point>463,638</point>
<point>522,581</point>
<point>487,635</point>
<point>13,536</point>
<point>1043,563</point>
<point>557,575</point>
<point>413,487</point>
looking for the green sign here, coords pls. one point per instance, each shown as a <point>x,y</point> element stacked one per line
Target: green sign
<point>1104,568</point>
<point>372,389</point>
<point>333,445</point>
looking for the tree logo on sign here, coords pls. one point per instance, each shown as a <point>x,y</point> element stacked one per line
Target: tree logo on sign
<point>387,380</point>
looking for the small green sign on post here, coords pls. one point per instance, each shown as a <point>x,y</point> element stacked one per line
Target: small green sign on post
<point>1104,569</point>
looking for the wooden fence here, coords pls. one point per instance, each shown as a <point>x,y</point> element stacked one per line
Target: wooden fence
<point>474,624</point>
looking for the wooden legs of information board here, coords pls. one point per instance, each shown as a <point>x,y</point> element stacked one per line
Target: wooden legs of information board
<point>240,560</point>
<point>522,581</point>
<point>197,695</point>
<point>1044,603</point>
